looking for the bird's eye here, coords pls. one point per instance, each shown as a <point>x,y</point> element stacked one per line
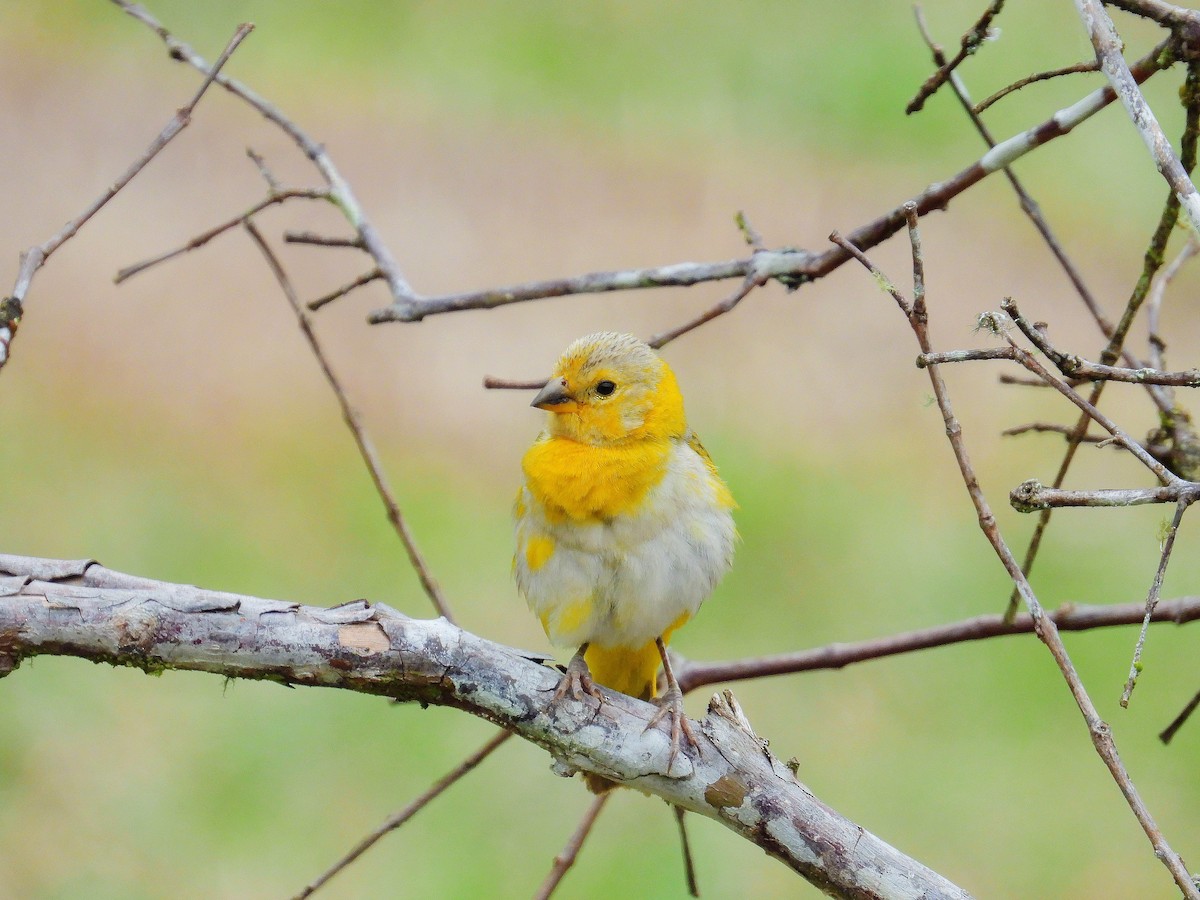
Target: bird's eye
<point>604,388</point>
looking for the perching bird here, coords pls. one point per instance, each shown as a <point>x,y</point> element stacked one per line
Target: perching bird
<point>623,525</point>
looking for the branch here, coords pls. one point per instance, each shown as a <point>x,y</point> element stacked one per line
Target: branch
<point>11,308</point>
<point>339,189</point>
<point>82,609</point>
<point>1031,496</point>
<point>793,268</point>
<point>1071,617</point>
<point>971,41</point>
<point>1108,53</point>
<point>1044,627</point>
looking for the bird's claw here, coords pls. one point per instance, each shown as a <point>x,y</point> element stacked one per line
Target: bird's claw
<point>671,704</point>
<point>576,682</point>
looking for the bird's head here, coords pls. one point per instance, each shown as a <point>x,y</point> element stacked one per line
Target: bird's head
<point>609,388</point>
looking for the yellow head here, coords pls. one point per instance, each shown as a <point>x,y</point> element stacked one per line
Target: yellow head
<point>611,388</point>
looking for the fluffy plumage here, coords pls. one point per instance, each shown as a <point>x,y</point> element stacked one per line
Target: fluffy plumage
<point>623,526</point>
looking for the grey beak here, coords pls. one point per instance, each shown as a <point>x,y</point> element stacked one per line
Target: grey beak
<point>553,394</point>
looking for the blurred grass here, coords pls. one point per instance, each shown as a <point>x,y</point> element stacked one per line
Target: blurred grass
<point>971,758</point>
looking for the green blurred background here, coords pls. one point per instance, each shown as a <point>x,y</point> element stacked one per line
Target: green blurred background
<point>176,427</point>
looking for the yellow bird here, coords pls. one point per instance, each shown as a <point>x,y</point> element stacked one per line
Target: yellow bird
<point>623,526</point>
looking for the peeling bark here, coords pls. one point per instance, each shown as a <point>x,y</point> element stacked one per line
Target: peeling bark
<point>79,608</point>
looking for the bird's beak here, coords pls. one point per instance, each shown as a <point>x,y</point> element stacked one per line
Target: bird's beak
<point>555,398</point>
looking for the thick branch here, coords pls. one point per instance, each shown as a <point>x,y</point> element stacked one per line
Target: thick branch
<point>82,609</point>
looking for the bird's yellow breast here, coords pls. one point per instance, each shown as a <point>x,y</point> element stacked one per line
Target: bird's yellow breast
<point>585,482</point>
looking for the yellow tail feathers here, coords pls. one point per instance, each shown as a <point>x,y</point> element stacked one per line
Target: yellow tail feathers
<point>632,672</point>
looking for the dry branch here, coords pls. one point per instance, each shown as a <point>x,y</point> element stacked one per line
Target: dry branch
<point>82,609</point>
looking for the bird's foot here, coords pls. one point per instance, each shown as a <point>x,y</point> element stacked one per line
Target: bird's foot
<point>577,681</point>
<point>671,704</point>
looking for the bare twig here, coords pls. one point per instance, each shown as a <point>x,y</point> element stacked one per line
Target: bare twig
<point>1067,431</point>
<point>956,356</point>
<point>1154,300</point>
<point>1044,626</point>
<point>1108,53</point>
<point>1151,262</point>
<point>692,674</point>
<point>1075,69</point>
<point>1169,732</point>
<point>792,268</point>
<point>1164,475</point>
<point>1135,667</point>
<point>1031,496</point>
<point>1028,205</point>
<point>751,282</point>
<point>365,448</point>
<point>394,821</point>
<point>320,240</point>
<point>685,845</point>
<point>339,189</point>
<point>365,278</point>
<point>12,307</point>
<point>566,857</point>
<point>971,41</point>
<point>492,383</point>
<point>229,224</point>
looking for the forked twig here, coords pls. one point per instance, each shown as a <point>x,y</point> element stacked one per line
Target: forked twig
<point>971,41</point>
<point>339,189</point>
<point>1135,666</point>
<point>1076,69</point>
<point>365,448</point>
<point>1044,626</point>
<point>11,309</point>
<point>394,821</point>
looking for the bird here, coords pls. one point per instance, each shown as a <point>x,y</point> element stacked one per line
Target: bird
<point>623,526</point>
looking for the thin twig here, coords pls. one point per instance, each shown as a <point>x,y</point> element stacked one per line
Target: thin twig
<point>205,236</point>
<point>340,190</point>
<point>309,237</point>
<point>1044,627</point>
<point>1067,431</point>
<point>566,857</point>
<point>365,278</point>
<point>956,356</point>
<point>365,448</point>
<point>692,674</point>
<point>1161,472</point>
<point>1075,69</point>
<point>971,41</point>
<point>35,257</point>
<point>750,283</point>
<point>1169,732</point>
<point>1154,300</point>
<point>492,383</point>
<point>685,845</point>
<point>792,268</point>
<point>1028,205</point>
<point>394,821</point>
<point>1135,666</point>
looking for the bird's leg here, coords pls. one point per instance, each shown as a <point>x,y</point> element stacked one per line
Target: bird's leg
<point>577,680</point>
<point>671,703</point>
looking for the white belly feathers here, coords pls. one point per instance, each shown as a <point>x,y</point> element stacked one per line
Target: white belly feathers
<point>624,581</point>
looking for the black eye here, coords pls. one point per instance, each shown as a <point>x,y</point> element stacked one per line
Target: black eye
<point>604,388</point>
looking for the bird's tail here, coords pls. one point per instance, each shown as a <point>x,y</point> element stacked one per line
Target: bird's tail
<point>630,671</point>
